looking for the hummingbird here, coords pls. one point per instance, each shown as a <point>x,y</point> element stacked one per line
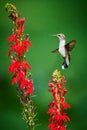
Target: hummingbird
<point>64,49</point>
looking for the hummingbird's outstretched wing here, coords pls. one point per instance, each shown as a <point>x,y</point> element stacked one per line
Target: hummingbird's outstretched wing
<point>55,51</point>
<point>69,46</point>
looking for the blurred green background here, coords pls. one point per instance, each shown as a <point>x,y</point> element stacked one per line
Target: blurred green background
<point>44,17</point>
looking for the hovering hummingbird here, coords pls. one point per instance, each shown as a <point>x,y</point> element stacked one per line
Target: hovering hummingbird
<point>64,49</point>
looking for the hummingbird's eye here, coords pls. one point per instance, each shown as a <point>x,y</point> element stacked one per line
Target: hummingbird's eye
<point>59,35</point>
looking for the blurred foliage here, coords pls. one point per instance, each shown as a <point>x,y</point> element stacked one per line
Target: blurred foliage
<point>44,17</point>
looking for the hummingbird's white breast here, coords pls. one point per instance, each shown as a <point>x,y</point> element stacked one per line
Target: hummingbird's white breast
<point>62,48</point>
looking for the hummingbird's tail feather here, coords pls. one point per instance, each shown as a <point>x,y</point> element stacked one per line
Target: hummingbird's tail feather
<point>66,63</point>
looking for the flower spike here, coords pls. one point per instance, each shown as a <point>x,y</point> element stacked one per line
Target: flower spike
<point>58,105</point>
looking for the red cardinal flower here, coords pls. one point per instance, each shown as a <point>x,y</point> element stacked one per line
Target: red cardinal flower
<point>58,105</point>
<point>19,66</point>
<point>18,47</point>
<point>20,24</point>
<point>12,38</point>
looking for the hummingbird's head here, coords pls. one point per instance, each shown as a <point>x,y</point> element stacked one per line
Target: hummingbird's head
<point>60,36</point>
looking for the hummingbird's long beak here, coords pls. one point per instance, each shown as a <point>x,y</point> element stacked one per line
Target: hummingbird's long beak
<point>54,35</point>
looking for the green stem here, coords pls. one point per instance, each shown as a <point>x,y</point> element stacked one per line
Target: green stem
<point>31,127</point>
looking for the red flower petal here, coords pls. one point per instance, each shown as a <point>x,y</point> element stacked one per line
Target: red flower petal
<point>12,38</point>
